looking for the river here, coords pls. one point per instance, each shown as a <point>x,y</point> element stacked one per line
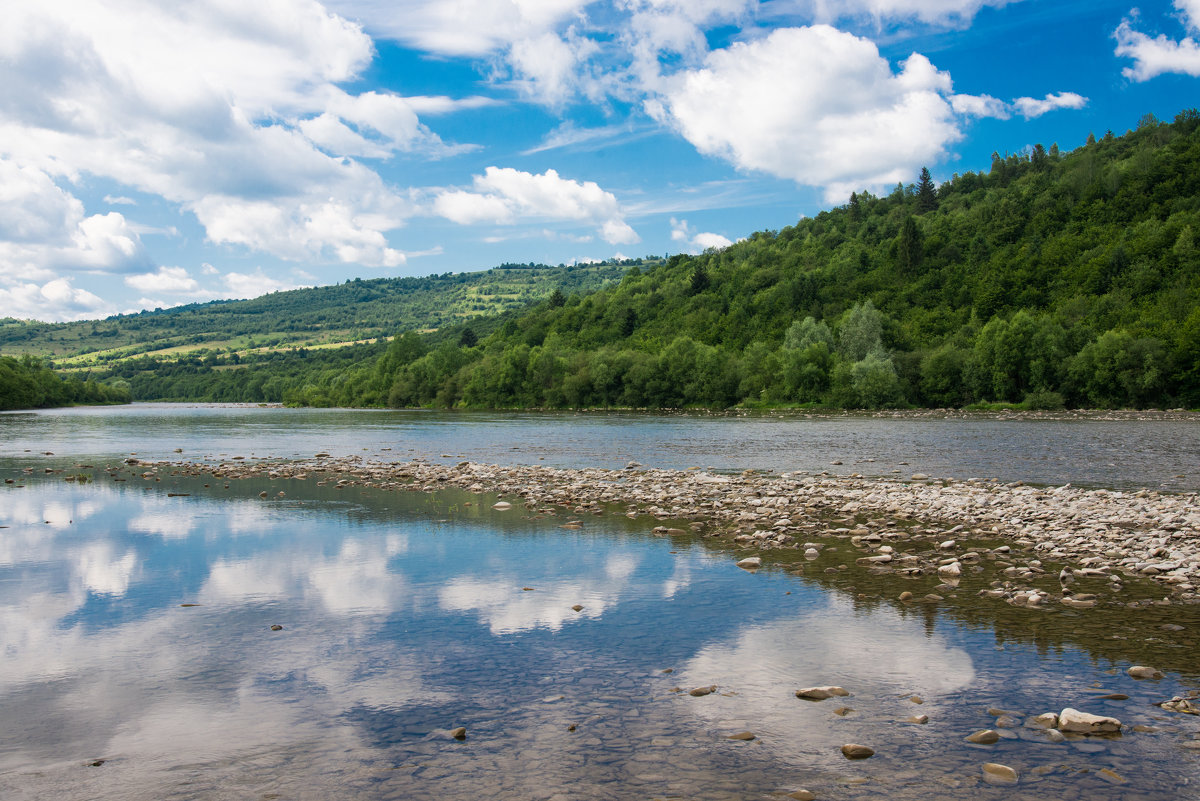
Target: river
<point>138,658</point>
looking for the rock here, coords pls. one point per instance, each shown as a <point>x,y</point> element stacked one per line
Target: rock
<point>1055,736</point>
<point>855,751</point>
<point>1049,720</point>
<point>919,477</point>
<point>262,494</point>
<point>820,693</point>
<point>948,545</point>
<point>741,735</point>
<point>952,569</point>
<point>1144,672</point>
<point>984,737</point>
<point>1084,723</point>
<point>920,719</point>
<point>916,699</point>
<point>459,733</point>
<point>700,692</point>
<point>1111,776</point>
<point>750,563</point>
<point>276,627</point>
<point>500,506</point>
<point>842,711</point>
<point>802,795</point>
<point>994,773</point>
<point>906,596</point>
<point>577,608</point>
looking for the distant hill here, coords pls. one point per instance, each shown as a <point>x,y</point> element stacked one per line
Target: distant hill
<point>325,316</point>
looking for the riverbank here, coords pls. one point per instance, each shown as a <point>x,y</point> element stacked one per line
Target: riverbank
<point>915,527</point>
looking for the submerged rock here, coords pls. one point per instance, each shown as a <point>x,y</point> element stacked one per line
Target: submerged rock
<point>821,693</point>
<point>995,773</point>
<point>984,737</point>
<point>1072,720</point>
<point>1144,672</point>
<point>856,751</point>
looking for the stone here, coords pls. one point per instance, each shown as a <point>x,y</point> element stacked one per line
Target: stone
<point>577,608</point>
<point>276,627</point>
<point>700,692</point>
<point>1111,776</point>
<point>984,737</point>
<point>906,596</point>
<point>919,719</point>
<point>842,711</point>
<point>1144,672</point>
<point>500,506</point>
<point>459,733</point>
<point>952,569</point>
<point>750,563</point>
<point>919,477</point>
<point>802,795</point>
<point>994,773</point>
<point>1048,720</point>
<point>820,693</point>
<point>856,751</point>
<point>741,735</point>
<point>1084,723</point>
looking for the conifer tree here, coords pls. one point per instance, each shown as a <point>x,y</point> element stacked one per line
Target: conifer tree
<point>926,193</point>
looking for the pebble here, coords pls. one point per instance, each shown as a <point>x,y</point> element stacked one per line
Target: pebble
<point>459,733</point>
<point>919,719</point>
<point>700,692</point>
<point>984,737</point>
<point>855,751</point>
<point>1144,672</point>
<point>802,795</point>
<point>750,563</point>
<point>821,693</point>
<point>742,735</point>
<point>995,773</point>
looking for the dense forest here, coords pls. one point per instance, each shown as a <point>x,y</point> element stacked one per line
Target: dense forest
<point>1052,279</point>
<point>26,383</point>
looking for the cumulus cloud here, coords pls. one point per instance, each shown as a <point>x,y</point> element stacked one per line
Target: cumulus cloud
<point>694,241</point>
<point>816,105</point>
<point>503,196</point>
<point>980,106</point>
<point>218,107</point>
<point>1030,107</point>
<point>55,300</point>
<point>935,12</point>
<point>1160,55</point>
<point>174,280</point>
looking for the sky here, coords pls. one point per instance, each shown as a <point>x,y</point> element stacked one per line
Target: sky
<point>154,154</point>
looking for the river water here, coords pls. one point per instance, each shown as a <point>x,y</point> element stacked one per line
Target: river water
<point>138,660</point>
<point>1122,453</point>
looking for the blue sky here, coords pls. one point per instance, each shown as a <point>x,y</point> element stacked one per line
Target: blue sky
<point>155,154</point>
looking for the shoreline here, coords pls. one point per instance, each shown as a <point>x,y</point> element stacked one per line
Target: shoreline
<point>910,527</point>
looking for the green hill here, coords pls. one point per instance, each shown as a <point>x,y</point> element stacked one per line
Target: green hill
<point>1051,279</point>
<point>325,316</point>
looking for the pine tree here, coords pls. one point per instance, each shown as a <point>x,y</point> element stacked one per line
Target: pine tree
<point>926,193</point>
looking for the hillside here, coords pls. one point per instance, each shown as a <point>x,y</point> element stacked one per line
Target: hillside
<point>326,316</point>
<point>1052,279</point>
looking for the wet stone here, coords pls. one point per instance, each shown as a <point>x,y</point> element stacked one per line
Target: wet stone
<point>856,751</point>
<point>984,737</point>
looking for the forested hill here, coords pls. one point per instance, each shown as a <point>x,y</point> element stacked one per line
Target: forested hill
<point>25,383</point>
<point>1053,278</point>
<point>321,316</point>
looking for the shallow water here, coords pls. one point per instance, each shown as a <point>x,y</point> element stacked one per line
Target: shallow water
<point>1107,453</point>
<point>405,615</point>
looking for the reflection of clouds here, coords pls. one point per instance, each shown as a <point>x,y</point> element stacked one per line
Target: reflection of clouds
<point>355,581</point>
<point>101,570</point>
<point>878,656</point>
<point>680,578</point>
<point>170,525</point>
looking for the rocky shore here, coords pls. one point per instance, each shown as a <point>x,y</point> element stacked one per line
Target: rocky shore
<point>914,527</point>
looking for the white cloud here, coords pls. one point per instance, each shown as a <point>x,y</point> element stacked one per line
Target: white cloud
<point>1030,107</point>
<point>697,242</point>
<point>55,300</point>
<point>1160,55</point>
<point>504,196</point>
<point>936,12</point>
<point>250,285</point>
<point>44,229</point>
<point>980,106</point>
<point>816,105</point>
<point>119,200</point>
<point>173,280</point>
<point>461,28</point>
<point>219,107</point>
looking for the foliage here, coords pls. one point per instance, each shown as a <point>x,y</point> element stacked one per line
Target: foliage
<point>27,384</point>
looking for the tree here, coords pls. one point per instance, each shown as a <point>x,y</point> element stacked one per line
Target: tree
<point>910,246</point>
<point>700,280</point>
<point>468,339</point>
<point>557,299</point>
<point>860,332</point>
<point>926,193</point>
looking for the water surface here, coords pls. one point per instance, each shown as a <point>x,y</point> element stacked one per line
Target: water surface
<point>404,615</point>
<point>1108,453</point>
